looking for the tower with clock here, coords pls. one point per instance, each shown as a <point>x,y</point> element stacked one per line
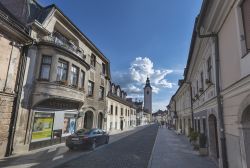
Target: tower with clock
<point>148,97</point>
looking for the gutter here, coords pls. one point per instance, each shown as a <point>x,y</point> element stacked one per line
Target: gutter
<point>217,81</point>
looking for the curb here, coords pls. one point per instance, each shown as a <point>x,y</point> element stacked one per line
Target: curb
<point>151,156</point>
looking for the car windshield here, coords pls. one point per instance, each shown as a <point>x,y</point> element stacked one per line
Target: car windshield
<point>82,131</point>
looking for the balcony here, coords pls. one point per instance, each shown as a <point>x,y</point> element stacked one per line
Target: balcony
<point>67,45</point>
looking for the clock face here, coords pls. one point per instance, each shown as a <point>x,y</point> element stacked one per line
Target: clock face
<point>147,92</point>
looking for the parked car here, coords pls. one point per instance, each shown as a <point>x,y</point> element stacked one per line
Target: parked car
<point>87,139</point>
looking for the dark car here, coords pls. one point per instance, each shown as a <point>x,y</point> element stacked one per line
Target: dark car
<point>87,139</point>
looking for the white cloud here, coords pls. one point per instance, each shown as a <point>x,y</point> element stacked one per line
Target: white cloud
<point>134,80</point>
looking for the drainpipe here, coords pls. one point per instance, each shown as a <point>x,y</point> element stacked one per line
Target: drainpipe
<point>218,96</point>
<point>191,103</point>
<point>16,102</point>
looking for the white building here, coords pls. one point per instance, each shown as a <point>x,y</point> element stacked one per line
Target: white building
<point>121,112</point>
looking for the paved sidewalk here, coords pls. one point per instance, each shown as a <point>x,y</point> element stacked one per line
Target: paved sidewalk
<point>55,155</point>
<point>174,151</point>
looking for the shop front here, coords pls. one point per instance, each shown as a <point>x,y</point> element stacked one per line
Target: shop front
<point>53,121</point>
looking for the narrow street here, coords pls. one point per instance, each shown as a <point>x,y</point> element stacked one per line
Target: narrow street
<point>130,152</point>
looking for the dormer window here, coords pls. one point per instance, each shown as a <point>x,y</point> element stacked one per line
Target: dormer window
<point>93,60</point>
<point>118,92</point>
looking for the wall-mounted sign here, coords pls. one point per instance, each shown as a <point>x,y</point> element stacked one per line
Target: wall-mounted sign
<point>59,104</point>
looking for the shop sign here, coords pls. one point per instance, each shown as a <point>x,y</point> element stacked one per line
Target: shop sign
<point>42,128</point>
<point>59,104</point>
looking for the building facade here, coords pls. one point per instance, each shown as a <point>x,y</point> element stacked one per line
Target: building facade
<point>121,112</point>
<point>218,73</point>
<point>64,83</point>
<point>14,40</point>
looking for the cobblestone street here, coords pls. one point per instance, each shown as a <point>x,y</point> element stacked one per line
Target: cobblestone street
<point>131,152</point>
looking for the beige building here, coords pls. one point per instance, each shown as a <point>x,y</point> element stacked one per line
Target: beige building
<point>65,80</point>
<point>218,72</point>
<point>13,44</point>
<point>121,112</point>
<point>227,25</point>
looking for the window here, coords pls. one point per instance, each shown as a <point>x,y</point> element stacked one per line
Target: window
<point>82,79</point>
<point>111,109</point>
<point>116,110</point>
<point>115,125</point>
<point>93,60</point>
<point>197,86</point>
<point>74,75</point>
<point>204,126</point>
<point>209,69</point>
<point>246,21</point>
<point>45,67</point>
<point>103,69</point>
<point>202,81</point>
<point>62,70</point>
<point>90,88</point>
<point>199,126</point>
<point>101,93</point>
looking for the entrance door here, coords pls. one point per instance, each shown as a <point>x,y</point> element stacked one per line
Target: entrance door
<point>246,133</point>
<point>88,120</point>
<point>100,120</point>
<point>121,125</point>
<point>213,137</point>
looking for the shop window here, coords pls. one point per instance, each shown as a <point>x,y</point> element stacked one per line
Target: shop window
<point>42,126</point>
<point>62,71</point>
<point>69,124</point>
<point>82,79</point>
<point>90,88</point>
<point>74,76</point>
<point>246,21</point>
<point>101,93</point>
<point>93,60</point>
<point>45,67</point>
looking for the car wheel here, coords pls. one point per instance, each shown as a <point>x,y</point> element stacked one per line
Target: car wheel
<point>93,145</point>
<point>107,140</point>
<point>71,148</point>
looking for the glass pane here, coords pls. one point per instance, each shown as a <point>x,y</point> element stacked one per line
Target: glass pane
<point>45,72</point>
<point>46,60</point>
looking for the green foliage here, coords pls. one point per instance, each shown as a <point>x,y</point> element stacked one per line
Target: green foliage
<point>193,136</point>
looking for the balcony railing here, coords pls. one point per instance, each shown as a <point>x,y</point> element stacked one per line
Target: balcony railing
<point>66,45</point>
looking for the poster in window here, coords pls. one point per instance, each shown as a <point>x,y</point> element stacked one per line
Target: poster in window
<point>69,125</point>
<point>42,128</point>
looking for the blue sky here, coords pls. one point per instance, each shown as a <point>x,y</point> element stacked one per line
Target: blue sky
<point>140,38</point>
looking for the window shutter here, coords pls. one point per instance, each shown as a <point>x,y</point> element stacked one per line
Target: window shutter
<point>246,20</point>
